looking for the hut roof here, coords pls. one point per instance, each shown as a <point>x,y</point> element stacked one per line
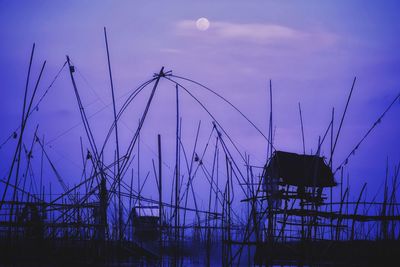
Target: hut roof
<point>300,170</point>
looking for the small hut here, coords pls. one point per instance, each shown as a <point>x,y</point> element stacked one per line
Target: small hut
<point>146,223</point>
<point>304,172</point>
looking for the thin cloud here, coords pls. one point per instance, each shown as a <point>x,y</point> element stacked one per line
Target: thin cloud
<point>254,33</point>
<point>170,50</point>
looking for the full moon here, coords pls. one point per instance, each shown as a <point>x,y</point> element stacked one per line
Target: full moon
<point>202,24</point>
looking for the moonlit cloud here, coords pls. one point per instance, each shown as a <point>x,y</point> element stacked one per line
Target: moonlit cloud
<point>259,33</point>
<point>170,50</point>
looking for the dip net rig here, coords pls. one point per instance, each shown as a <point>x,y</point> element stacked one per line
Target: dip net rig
<point>280,213</point>
<point>106,215</point>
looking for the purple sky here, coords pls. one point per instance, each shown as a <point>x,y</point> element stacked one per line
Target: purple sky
<point>310,49</point>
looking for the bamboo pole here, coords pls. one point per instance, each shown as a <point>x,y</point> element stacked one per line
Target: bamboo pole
<point>118,174</point>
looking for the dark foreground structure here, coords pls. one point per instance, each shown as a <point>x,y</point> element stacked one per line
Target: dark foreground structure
<point>303,229</point>
<point>287,214</point>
